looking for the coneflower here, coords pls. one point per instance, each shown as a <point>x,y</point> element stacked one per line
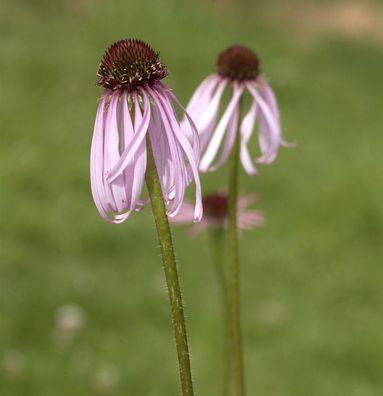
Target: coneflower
<point>227,137</point>
<point>216,221</point>
<point>216,216</point>
<point>137,138</point>
<point>237,68</point>
<point>136,110</point>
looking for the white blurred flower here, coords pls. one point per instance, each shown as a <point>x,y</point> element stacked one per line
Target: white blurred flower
<point>70,320</point>
<point>13,364</point>
<point>105,379</point>
<point>273,313</point>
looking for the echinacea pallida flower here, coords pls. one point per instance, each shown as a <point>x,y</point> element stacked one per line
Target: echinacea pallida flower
<point>237,68</point>
<point>135,107</point>
<point>215,213</point>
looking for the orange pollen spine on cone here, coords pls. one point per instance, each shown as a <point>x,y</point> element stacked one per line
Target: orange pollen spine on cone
<point>129,64</point>
<point>238,64</point>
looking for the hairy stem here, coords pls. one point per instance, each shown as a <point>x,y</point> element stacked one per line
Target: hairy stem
<point>217,238</point>
<point>236,338</point>
<point>170,268</point>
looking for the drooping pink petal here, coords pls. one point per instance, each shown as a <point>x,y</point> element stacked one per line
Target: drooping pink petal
<point>219,132</point>
<point>119,218</point>
<point>116,190</point>
<point>232,130</point>
<point>175,154</point>
<point>264,138</point>
<point>127,136</point>
<point>246,129</point>
<point>202,94</point>
<point>191,155</point>
<point>269,132</point>
<point>139,157</point>
<point>245,200</point>
<point>205,115</point>
<point>162,155</point>
<point>185,214</point>
<point>250,219</point>
<point>195,137</point>
<point>268,95</point>
<point>200,99</point>
<point>216,215</point>
<point>135,143</point>
<point>96,160</point>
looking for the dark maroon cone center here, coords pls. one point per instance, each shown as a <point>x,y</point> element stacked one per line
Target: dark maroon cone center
<point>129,64</point>
<point>215,206</point>
<point>238,63</point>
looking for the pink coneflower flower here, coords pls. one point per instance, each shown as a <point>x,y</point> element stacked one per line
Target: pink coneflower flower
<point>134,109</point>
<point>237,68</point>
<point>215,214</point>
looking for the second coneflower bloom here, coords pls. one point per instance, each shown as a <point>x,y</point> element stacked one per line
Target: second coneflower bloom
<point>215,213</point>
<point>135,109</point>
<point>237,68</point>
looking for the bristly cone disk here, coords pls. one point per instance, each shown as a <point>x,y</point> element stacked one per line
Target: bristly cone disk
<point>215,206</point>
<point>238,64</point>
<point>129,64</point>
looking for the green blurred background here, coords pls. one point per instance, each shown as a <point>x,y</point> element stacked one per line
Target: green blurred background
<point>82,303</point>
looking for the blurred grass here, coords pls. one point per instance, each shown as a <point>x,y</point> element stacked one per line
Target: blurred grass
<point>312,277</point>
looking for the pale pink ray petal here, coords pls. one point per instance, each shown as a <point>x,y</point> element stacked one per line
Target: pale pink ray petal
<point>96,161</point>
<point>205,115</point>
<point>268,94</point>
<point>273,132</point>
<point>127,136</point>
<point>246,200</point>
<point>264,137</point>
<point>195,140</point>
<point>139,157</point>
<point>188,150</point>
<point>200,100</point>
<point>247,127</point>
<point>270,99</point>
<point>203,93</point>
<point>250,219</point>
<point>176,157</point>
<point>162,155</point>
<point>166,96</point>
<point>185,214</point>
<point>209,110</point>
<point>133,146</point>
<point>219,132</point>
<point>112,155</point>
<point>177,191</point>
<point>232,130</point>
<point>160,141</point>
<point>120,217</point>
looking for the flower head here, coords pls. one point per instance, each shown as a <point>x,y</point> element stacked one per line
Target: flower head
<point>137,109</point>
<point>127,64</point>
<point>238,68</point>
<point>238,63</point>
<point>215,213</point>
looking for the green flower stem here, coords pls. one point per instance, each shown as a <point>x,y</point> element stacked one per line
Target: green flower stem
<point>234,269</point>
<point>170,268</point>
<point>217,239</point>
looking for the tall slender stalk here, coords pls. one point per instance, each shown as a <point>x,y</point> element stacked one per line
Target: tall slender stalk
<point>170,268</point>
<point>236,338</point>
<point>217,242</point>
